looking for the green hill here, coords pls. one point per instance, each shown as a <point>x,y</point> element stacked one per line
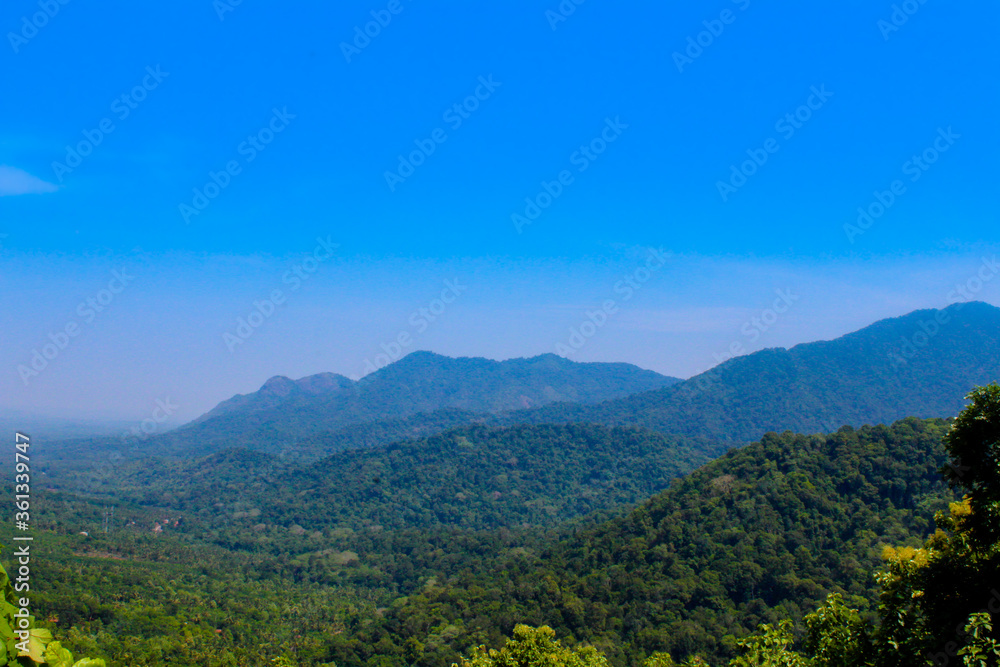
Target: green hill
<point>471,478</point>
<point>761,534</point>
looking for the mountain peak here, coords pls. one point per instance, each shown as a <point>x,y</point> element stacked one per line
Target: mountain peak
<point>424,357</point>
<point>279,385</point>
<point>322,383</point>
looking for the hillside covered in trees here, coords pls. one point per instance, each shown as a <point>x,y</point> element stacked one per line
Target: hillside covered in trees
<point>918,365</point>
<point>471,478</point>
<point>765,532</point>
<point>420,382</point>
<point>937,603</point>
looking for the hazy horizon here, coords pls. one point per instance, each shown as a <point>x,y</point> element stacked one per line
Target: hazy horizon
<point>709,336</point>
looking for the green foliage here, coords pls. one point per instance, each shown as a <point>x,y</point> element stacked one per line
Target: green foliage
<point>57,656</point>
<point>369,502</point>
<point>837,635</point>
<point>41,647</point>
<point>659,659</point>
<point>770,648</point>
<point>534,647</point>
<point>764,533</point>
<point>980,649</point>
<point>974,446</point>
<point>929,594</point>
<point>925,591</point>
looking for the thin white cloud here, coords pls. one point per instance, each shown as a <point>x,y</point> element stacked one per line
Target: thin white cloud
<point>14,181</point>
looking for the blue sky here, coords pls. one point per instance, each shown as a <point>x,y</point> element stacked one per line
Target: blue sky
<point>308,129</point>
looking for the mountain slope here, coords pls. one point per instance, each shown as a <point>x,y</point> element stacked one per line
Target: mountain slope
<point>471,478</point>
<point>884,372</point>
<point>763,533</point>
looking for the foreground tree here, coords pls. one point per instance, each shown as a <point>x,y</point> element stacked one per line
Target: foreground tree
<point>974,446</point>
<point>534,647</point>
<point>938,602</point>
<point>39,645</point>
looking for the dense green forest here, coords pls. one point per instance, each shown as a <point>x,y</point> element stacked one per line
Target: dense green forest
<point>138,600</point>
<point>352,532</point>
<point>763,533</point>
<point>937,603</point>
<point>467,480</point>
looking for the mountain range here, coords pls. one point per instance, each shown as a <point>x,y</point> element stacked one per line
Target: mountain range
<point>399,399</point>
<point>920,364</point>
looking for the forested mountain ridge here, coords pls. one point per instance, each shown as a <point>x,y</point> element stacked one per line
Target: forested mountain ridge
<point>918,365</point>
<point>763,533</point>
<point>284,410</point>
<point>470,478</point>
<point>914,365</point>
<point>424,381</point>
